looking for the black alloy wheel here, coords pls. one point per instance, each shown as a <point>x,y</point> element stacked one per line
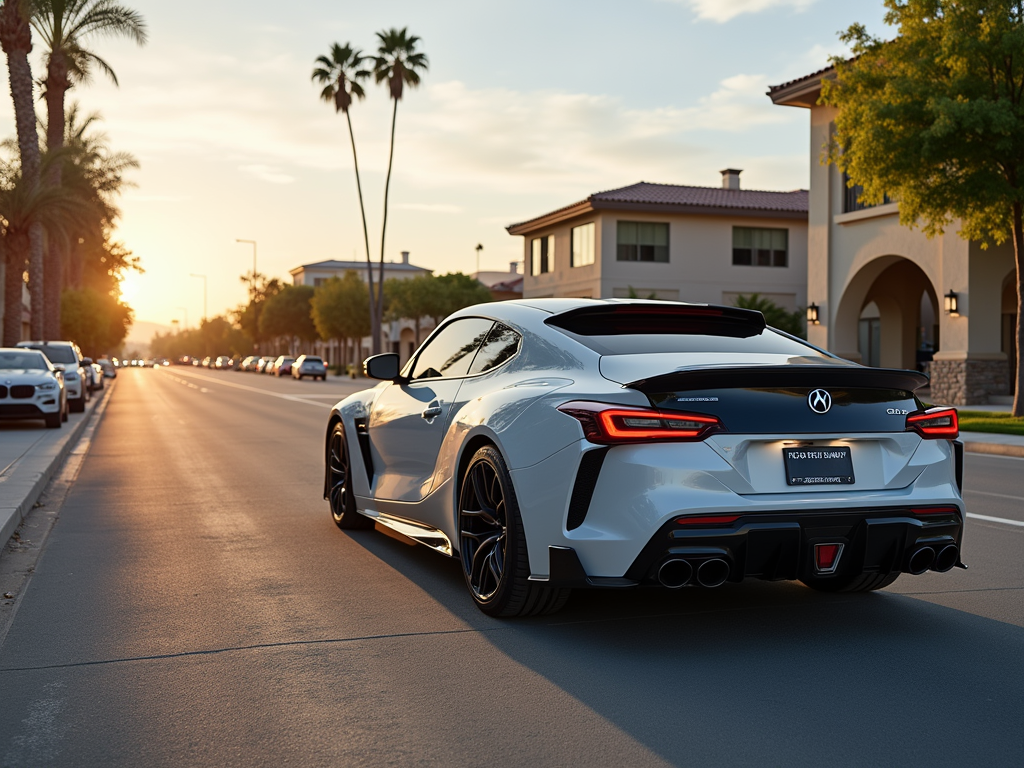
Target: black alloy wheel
<point>339,483</point>
<point>492,544</point>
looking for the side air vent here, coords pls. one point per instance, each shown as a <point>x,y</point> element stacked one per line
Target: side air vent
<point>364,448</point>
<point>583,489</point>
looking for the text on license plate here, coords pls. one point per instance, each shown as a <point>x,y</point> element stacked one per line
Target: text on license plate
<point>826,465</point>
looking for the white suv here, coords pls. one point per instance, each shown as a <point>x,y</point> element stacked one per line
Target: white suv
<point>65,356</point>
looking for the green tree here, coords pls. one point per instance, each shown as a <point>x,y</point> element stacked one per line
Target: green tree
<point>65,26</point>
<point>774,315</point>
<point>409,299</point>
<point>341,311</point>
<point>397,63</point>
<point>935,119</point>
<point>288,313</point>
<point>16,41</point>
<point>261,289</point>
<point>97,322</point>
<point>449,293</point>
<point>340,73</point>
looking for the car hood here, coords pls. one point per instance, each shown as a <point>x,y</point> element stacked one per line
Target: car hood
<point>24,376</point>
<point>624,369</point>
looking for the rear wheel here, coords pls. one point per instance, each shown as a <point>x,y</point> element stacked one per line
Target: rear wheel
<point>339,483</point>
<point>492,543</point>
<point>861,582</point>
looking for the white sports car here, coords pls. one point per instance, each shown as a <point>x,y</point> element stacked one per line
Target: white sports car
<point>552,444</point>
<point>31,387</point>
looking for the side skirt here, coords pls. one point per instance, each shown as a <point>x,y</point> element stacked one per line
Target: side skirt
<point>411,529</point>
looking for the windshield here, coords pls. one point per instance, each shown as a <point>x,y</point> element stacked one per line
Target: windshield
<point>64,355</point>
<point>32,361</point>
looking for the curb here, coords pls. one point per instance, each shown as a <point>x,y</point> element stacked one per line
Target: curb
<point>998,449</point>
<point>42,468</point>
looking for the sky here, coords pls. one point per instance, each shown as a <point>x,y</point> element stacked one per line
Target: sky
<point>528,106</point>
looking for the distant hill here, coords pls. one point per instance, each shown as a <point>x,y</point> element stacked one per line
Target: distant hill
<point>141,333</point>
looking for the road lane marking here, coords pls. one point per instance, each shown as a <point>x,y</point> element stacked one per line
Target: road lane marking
<point>292,398</point>
<point>1002,520</point>
<point>997,495</point>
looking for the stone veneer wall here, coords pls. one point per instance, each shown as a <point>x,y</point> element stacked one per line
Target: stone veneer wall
<point>968,382</point>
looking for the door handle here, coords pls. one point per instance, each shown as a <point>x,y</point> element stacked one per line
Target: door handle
<point>432,412</point>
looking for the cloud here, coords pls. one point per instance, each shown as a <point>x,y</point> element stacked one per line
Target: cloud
<point>726,10</point>
<point>266,173</point>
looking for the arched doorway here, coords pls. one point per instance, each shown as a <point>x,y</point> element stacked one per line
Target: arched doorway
<point>888,315</point>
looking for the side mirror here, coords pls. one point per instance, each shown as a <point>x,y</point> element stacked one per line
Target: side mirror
<point>60,368</point>
<point>384,367</point>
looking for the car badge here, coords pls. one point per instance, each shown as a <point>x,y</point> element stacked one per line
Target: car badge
<point>819,401</point>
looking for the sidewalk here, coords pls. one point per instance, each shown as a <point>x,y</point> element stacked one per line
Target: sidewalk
<point>30,457</point>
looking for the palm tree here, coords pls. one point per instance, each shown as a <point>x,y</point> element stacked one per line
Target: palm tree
<point>340,73</point>
<point>25,207</point>
<point>16,41</point>
<point>63,26</point>
<point>397,62</point>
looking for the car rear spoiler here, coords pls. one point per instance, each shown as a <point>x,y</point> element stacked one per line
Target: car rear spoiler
<point>628,318</point>
<point>781,377</point>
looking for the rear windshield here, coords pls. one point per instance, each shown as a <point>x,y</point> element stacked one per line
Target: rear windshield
<point>312,359</point>
<point>767,342</point>
<point>58,354</point>
<point>32,361</point>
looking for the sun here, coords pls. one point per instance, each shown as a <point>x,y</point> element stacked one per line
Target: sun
<point>130,287</point>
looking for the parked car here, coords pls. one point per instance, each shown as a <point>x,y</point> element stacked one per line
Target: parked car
<point>66,357</point>
<point>265,363</point>
<point>31,387</point>
<point>222,363</point>
<point>109,368</point>
<point>283,365</point>
<point>93,374</point>
<point>309,365</point>
<point>248,364</point>
<point>549,444</point>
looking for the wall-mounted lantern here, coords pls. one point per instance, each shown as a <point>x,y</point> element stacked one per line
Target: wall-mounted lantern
<point>950,301</point>
<point>812,314</point>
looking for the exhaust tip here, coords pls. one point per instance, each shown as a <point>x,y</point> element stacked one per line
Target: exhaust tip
<point>713,573</point>
<point>946,559</point>
<point>675,573</point>
<point>921,560</point>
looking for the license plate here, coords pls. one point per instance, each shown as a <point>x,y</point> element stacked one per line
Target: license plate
<point>827,465</point>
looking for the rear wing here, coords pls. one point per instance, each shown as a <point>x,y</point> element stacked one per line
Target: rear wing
<point>781,377</point>
<point>622,319</point>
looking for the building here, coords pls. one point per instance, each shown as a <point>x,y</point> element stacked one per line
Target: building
<point>400,335</point>
<point>696,244</point>
<point>887,295</point>
<point>26,305</point>
<point>502,285</point>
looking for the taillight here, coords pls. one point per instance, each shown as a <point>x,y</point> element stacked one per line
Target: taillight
<point>935,424</point>
<point>610,424</point>
<point>708,520</point>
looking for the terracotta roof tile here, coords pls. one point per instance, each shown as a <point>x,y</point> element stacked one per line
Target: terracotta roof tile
<point>712,197</point>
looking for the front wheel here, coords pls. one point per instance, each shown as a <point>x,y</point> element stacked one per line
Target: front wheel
<point>492,543</point>
<point>53,420</point>
<point>78,404</point>
<point>339,483</point>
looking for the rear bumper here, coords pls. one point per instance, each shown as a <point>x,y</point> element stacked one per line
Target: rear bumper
<point>778,546</point>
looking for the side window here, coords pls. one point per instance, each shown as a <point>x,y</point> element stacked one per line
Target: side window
<point>502,342</point>
<point>451,352</point>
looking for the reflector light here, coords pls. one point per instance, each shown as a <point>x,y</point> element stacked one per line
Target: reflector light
<point>826,557</point>
<point>608,424</point>
<point>934,510</point>
<point>935,424</point>
<point>718,520</point>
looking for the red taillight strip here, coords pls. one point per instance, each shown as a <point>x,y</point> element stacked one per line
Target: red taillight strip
<point>608,424</point>
<point>935,424</point>
<point>712,520</point>
<point>935,511</point>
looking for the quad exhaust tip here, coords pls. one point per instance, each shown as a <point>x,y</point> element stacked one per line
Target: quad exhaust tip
<point>675,573</point>
<point>921,560</point>
<point>946,558</point>
<point>713,573</point>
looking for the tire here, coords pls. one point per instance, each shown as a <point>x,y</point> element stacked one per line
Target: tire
<point>861,582</point>
<point>64,410</point>
<point>53,420</point>
<point>492,543</point>
<point>77,405</point>
<point>339,486</point>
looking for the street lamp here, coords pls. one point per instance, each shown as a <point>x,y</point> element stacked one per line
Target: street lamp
<point>253,244</point>
<point>204,292</point>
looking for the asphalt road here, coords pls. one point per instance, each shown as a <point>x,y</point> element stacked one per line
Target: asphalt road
<point>195,606</point>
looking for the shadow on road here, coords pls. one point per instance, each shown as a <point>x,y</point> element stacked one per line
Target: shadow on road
<point>781,674</point>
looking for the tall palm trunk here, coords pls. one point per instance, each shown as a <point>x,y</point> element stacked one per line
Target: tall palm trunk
<point>387,185</point>
<point>56,87</point>
<point>16,41</point>
<point>14,267</point>
<point>366,232</point>
<point>1018,253</point>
